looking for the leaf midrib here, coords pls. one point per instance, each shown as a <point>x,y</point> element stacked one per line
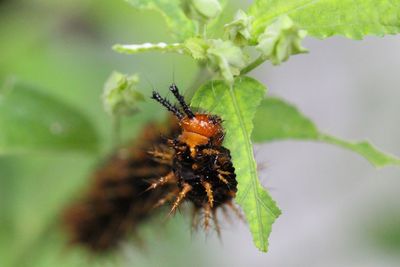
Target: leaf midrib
<point>251,163</point>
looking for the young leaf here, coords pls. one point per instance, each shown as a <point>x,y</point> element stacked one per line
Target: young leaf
<point>31,121</point>
<point>277,120</point>
<point>280,40</point>
<point>205,9</point>
<point>180,25</point>
<point>197,48</point>
<point>323,18</point>
<point>237,105</point>
<point>228,58</point>
<point>120,95</point>
<point>238,31</point>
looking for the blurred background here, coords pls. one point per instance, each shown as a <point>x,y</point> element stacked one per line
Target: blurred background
<point>337,209</point>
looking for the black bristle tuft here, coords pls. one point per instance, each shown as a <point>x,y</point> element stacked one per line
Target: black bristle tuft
<point>156,96</point>
<point>174,89</point>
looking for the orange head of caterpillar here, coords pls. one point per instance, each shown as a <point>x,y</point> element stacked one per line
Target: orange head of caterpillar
<point>197,128</point>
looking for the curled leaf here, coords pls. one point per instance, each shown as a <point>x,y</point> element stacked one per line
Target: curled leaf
<point>280,40</point>
<point>178,23</point>
<point>205,9</point>
<point>120,96</point>
<point>228,58</point>
<point>197,48</point>
<point>239,30</point>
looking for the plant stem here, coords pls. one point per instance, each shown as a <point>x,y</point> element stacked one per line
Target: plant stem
<point>257,62</point>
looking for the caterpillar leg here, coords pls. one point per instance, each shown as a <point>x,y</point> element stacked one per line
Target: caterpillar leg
<point>182,194</point>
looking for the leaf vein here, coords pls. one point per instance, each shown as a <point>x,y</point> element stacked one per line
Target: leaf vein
<point>250,161</point>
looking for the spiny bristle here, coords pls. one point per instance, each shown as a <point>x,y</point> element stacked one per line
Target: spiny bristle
<point>163,101</point>
<point>174,89</point>
<point>117,200</point>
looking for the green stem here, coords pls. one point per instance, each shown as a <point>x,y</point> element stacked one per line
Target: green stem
<point>202,29</point>
<point>257,62</point>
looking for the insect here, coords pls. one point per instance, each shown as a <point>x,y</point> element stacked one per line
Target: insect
<point>116,201</point>
<point>127,188</point>
<point>201,166</point>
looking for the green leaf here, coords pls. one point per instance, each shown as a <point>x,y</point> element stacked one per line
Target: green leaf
<point>178,23</point>
<point>197,48</point>
<point>120,95</point>
<point>228,58</point>
<point>237,105</point>
<point>31,121</point>
<point>280,40</point>
<point>364,148</point>
<point>277,120</point>
<point>238,31</point>
<point>205,9</point>
<point>323,18</point>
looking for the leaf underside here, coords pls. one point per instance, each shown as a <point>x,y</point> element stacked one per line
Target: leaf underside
<point>277,120</point>
<point>179,25</point>
<point>31,121</point>
<point>237,106</point>
<point>323,18</point>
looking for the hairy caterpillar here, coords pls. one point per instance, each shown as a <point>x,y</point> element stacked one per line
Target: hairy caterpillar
<point>192,165</point>
<point>201,166</point>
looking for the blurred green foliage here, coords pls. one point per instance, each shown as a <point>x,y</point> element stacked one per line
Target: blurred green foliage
<point>381,229</point>
<point>31,121</point>
<point>385,233</point>
<point>64,50</point>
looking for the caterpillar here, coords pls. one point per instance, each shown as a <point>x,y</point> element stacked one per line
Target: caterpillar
<point>201,167</point>
<point>190,165</point>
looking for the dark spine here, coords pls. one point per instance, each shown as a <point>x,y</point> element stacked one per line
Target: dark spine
<point>174,89</point>
<point>156,96</point>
